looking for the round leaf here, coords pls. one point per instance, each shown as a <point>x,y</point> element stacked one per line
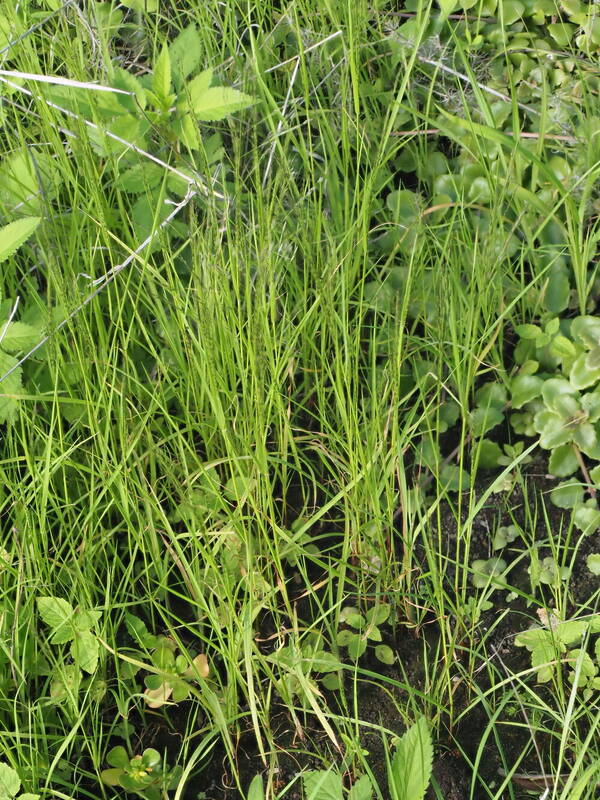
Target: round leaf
<point>567,495</point>
<point>563,461</point>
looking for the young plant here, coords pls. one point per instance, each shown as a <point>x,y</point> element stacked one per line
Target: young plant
<point>409,772</point>
<point>362,629</point>
<point>75,626</point>
<point>146,775</point>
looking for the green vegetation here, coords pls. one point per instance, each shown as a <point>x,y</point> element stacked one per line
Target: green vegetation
<point>299,400</point>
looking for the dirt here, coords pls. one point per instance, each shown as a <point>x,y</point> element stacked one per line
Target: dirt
<point>469,737</point>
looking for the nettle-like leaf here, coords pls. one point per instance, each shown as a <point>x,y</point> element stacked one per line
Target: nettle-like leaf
<point>19,336</point>
<point>10,783</point>
<point>161,76</point>
<point>410,770</point>
<point>13,235</point>
<point>323,785</point>
<point>217,102</point>
<point>185,52</point>
<point>10,387</point>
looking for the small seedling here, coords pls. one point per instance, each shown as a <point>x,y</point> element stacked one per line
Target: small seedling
<point>363,629</point>
<point>488,572</point>
<point>145,775</point>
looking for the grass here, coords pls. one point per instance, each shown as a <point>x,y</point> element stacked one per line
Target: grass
<point>222,441</point>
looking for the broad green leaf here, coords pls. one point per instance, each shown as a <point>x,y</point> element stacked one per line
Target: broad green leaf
<point>322,661</point>
<point>587,518</point>
<point>385,654</point>
<point>581,375</point>
<point>10,783</point>
<point>447,7</point>
<point>356,647</point>
<point>362,789</point>
<point>587,330</point>
<point>29,796</point>
<point>590,402</point>
<point>18,336</point>
<point>84,620</point>
<point>111,777</point>
<point>543,658</point>
<point>570,631</point>
<point>562,347</point>
<point>567,495</point>
<point>595,475</point>
<point>378,614</point>
<point>528,331</point>
<point>13,235</point>
<point>84,650</point>
<point>593,564</point>
<point>552,429</point>
<point>218,102</point>
<point>256,790</point>
<point>141,5</point>
<point>185,52</point>
<point>161,76</point>
<point>10,387</point>
<point>489,454</point>
<point>410,769</point>
<point>323,785</point>
<point>563,461</point>
<point>491,394</point>
<point>140,178</point>
<point>558,290</point>
<point>454,479</point>
<point>525,388</point>
<point>512,11</point>
<point>586,438</point>
<point>55,611</point>
<point>66,683</point>
<point>482,420</point>
<point>582,665</point>
<point>117,757</point>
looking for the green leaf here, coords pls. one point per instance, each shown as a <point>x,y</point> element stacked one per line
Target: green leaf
<point>84,620</point>
<point>55,611</point>
<point>12,236</point>
<point>489,454</point>
<point>447,7</point>
<point>454,479</point>
<point>10,783</point>
<point>10,387</point>
<point>141,5</point>
<point>525,388</point>
<point>558,290</point>
<point>567,495</point>
<point>356,647</point>
<point>581,375</point>
<point>117,757</point>
<point>552,429</point>
<point>185,52</point>
<point>483,420</point>
<point>410,769</point>
<point>18,336</point>
<point>384,654</point>
<point>587,518</point>
<point>362,789</point>
<point>256,790</point>
<point>322,661</point>
<point>512,10</point>
<point>543,658</point>
<point>563,461</point>
<point>140,178</point>
<point>593,564</point>
<point>139,632</point>
<point>161,77</point>
<point>84,650</point>
<point>218,102</point>
<point>323,785</point>
<point>378,614</point>
<point>528,331</point>
<point>587,330</point>
<point>111,777</point>
<point>491,394</point>
<point>562,32</point>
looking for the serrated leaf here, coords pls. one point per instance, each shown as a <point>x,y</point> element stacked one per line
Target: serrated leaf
<point>55,611</point>
<point>10,387</point>
<point>10,783</point>
<point>18,336</point>
<point>218,102</point>
<point>161,76</point>
<point>84,650</point>
<point>13,235</point>
<point>362,789</point>
<point>140,178</point>
<point>185,52</point>
<point>411,765</point>
<point>323,785</point>
<point>141,5</point>
<point>84,620</point>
